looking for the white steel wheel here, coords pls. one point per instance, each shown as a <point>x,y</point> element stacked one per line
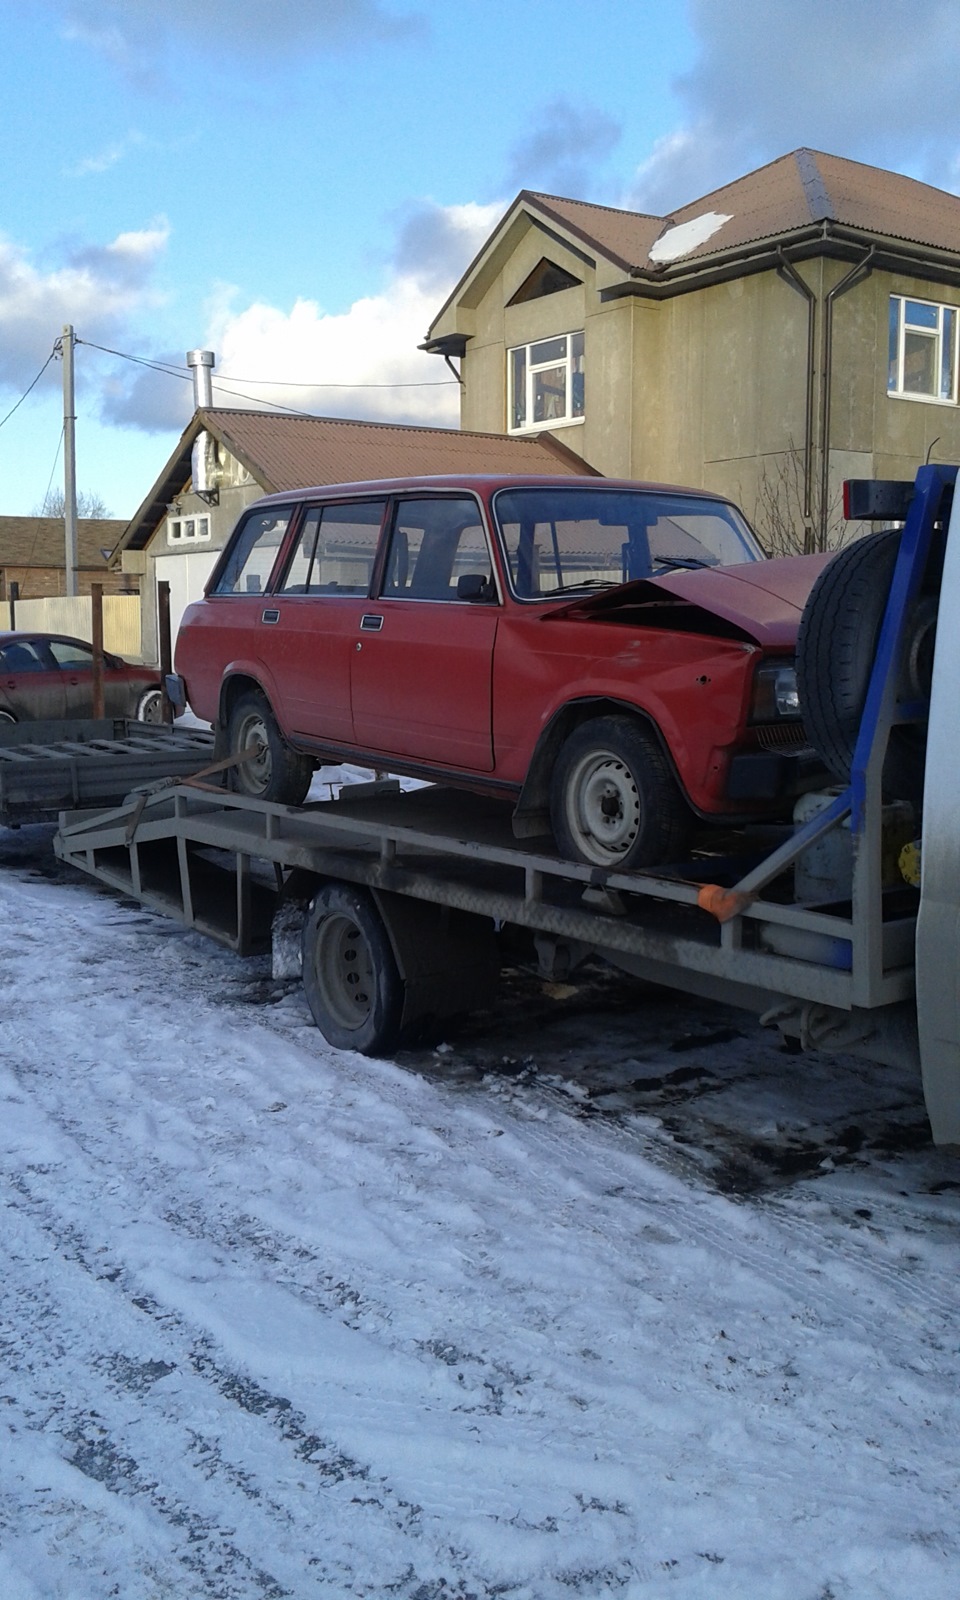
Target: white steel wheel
<point>271,770</point>
<point>614,801</point>
<point>150,706</point>
<point>350,975</point>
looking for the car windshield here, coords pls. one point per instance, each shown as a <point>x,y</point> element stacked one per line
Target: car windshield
<point>558,539</point>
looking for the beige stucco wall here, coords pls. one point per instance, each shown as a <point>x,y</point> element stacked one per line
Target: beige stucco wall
<point>237,492</point>
<point>709,388</point>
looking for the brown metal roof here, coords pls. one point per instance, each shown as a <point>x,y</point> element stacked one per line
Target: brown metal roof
<point>40,541</point>
<point>794,193</point>
<point>284,452</point>
<point>289,452</point>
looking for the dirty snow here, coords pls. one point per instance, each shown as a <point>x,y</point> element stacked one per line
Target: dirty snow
<point>686,236</point>
<point>608,1297</point>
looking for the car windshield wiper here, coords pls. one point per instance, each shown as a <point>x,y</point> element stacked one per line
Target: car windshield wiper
<point>587,583</point>
<point>689,562</point>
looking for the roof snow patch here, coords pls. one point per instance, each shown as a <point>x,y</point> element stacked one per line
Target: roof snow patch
<point>686,236</point>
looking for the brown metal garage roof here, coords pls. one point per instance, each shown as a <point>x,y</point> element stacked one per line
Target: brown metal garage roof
<point>291,452</point>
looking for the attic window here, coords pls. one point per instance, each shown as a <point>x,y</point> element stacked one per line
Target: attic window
<point>546,278</point>
<point>187,530</point>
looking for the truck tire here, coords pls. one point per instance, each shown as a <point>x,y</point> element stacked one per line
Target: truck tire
<point>614,801</point>
<point>350,976</point>
<point>836,648</point>
<point>274,772</point>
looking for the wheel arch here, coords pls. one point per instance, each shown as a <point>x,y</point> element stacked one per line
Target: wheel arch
<point>531,815</point>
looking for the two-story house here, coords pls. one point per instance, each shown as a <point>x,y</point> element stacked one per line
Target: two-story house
<point>793,328</point>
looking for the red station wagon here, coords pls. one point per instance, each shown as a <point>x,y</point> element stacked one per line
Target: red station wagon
<point>615,658</point>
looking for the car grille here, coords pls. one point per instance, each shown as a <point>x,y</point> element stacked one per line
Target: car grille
<point>783,736</point>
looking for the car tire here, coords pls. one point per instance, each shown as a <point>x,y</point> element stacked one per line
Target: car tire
<point>614,801</point>
<point>350,975</point>
<point>150,706</point>
<point>836,649</point>
<point>275,773</point>
<point>5,716</point>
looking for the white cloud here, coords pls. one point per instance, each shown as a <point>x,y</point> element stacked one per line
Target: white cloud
<point>136,35</point>
<point>96,288</point>
<point>364,361</point>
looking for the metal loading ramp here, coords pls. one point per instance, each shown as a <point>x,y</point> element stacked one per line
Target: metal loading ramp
<point>221,863</point>
<point>48,767</point>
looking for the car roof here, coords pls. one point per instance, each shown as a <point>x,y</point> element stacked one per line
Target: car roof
<point>482,484</point>
<point>24,635</point>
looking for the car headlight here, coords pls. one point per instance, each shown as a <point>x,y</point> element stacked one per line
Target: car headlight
<point>775,694</point>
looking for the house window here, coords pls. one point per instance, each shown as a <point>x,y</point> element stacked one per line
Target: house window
<point>187,530</point>
<point>545,382</point>
<point>923,350</point>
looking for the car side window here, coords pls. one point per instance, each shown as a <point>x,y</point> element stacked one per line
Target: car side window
<point>438,551</point>
<point>335,550</point>
<point>68,654</point>
<point>21,656</point>
<point>252,553</point>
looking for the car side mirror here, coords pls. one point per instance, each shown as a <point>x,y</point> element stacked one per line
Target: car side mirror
<point>474,586</point>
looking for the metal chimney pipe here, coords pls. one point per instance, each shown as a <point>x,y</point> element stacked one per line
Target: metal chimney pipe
<point>202,363</point>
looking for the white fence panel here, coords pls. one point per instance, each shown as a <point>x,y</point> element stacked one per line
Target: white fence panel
<point>73,615</point>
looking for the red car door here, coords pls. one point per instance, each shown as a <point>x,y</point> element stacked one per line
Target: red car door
<point>422,657</point>
<point>31,684</point>
<point>307,627</point>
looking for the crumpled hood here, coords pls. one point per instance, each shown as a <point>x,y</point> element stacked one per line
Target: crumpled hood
<point>764,600</point>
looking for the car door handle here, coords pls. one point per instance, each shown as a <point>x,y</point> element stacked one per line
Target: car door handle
<point>270,615</point>
<point>371,623</point>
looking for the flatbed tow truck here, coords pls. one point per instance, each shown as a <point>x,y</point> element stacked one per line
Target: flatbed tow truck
<point>391,902</point>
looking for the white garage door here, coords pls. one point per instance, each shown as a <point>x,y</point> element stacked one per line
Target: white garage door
<point>186,575</point>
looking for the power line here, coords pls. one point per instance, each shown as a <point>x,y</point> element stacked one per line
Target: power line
<point>264,383</point>
<point>32,386</point>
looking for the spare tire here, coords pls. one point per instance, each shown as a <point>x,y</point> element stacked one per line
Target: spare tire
<point>836,649</point>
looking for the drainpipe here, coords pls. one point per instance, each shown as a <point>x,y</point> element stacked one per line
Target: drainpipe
<point>788,272</point>
<point>862,270</point>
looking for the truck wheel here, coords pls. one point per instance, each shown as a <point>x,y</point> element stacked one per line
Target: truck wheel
<point>614,801</point>
<point>836,647</point>
<point>350,975</point>
<point>150,706</point>
<point>274,772</point>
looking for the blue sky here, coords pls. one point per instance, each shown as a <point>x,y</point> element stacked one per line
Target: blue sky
<point>297,184</point>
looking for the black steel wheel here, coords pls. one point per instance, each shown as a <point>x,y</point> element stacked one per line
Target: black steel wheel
<point>350,974</point>
<point>836,648</point>
<point>150,706</point>
<point>614,801</point>
<point>273,771</point>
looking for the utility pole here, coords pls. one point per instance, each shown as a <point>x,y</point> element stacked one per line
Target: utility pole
<point>69,460</point>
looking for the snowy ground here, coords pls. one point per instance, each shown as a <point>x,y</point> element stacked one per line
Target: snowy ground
<point>609,1297</point>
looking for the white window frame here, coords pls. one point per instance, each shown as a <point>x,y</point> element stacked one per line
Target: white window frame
<point>943,327</point>
<point>199,533</point>
<point>571,361</point>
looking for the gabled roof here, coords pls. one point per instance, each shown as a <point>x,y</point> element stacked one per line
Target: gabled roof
<point>40,541</point>
<point>808,201</point>
<point>292,452</point>
<point>789,195</point>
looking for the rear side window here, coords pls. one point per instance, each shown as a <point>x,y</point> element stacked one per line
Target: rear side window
<point>21,656</point>
<point>252,553</point>
<point>335,550</point>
